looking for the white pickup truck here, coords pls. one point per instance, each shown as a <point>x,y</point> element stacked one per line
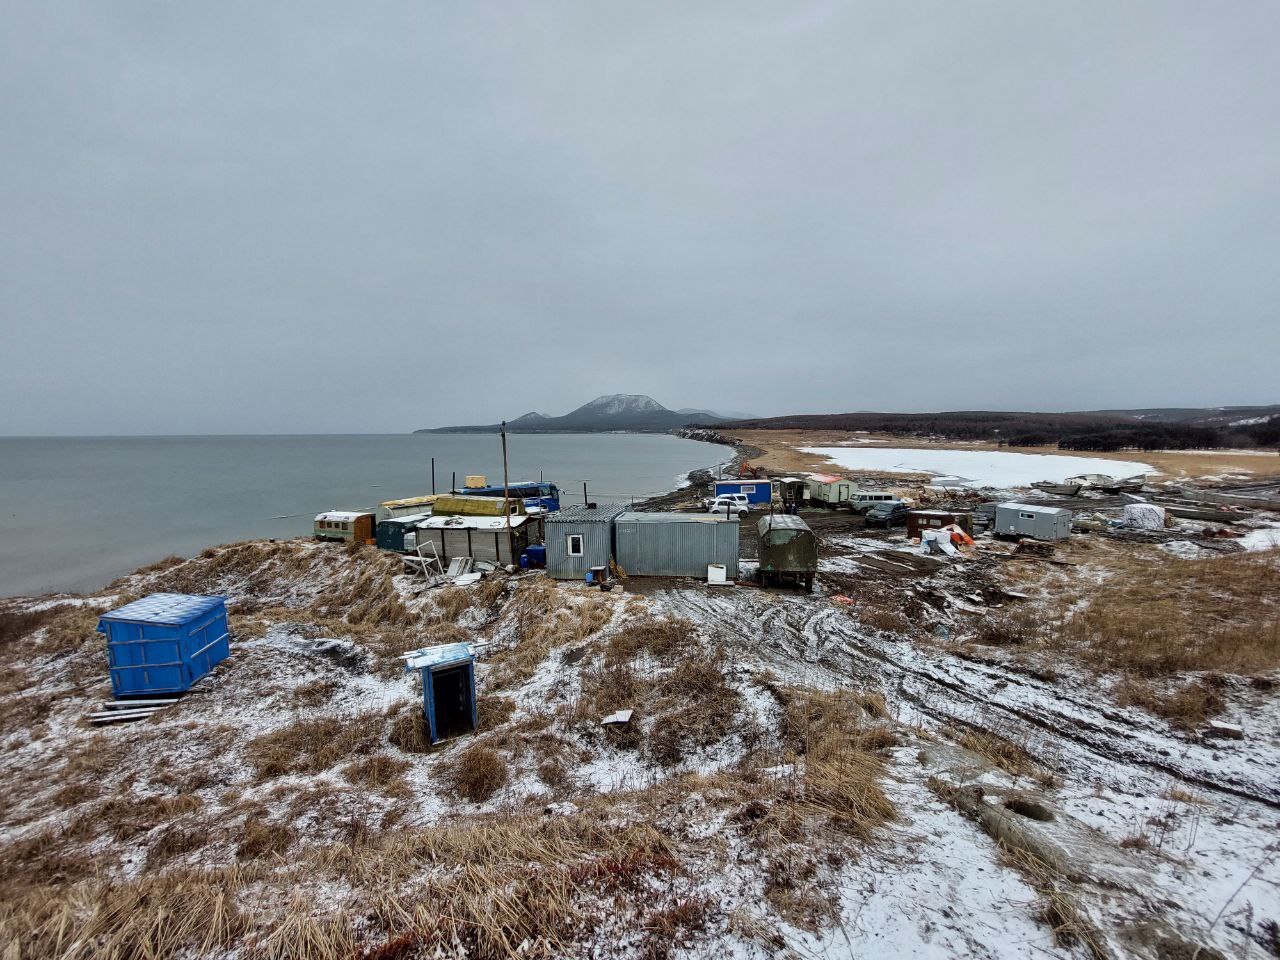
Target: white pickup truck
<point>727,503</point>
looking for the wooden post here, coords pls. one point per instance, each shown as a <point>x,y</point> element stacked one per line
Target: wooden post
<point>584,493</point>
<point>506,495</point>
<point>433,476</point>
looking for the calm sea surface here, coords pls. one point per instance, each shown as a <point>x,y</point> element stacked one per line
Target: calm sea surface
<point>77,512</point>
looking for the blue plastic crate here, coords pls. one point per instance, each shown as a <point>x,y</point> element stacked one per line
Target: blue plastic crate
<point>165,642</point>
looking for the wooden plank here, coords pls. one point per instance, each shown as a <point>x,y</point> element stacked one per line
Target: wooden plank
<point>136,704</point>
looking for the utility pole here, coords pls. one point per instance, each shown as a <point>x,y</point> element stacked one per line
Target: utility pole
<point>584,493</point>
<point>506,495</point>
<point>433,476</point>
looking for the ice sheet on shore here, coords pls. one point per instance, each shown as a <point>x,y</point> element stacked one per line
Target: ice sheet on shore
<point>976,468</point>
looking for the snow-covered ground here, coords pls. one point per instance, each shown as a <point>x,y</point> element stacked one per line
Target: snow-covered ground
<point>976,468</point>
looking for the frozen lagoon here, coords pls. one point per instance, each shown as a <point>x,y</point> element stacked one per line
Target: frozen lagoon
<point>976,468</point>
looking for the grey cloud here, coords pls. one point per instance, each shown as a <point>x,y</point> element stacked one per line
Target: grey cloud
<point>319,217</point>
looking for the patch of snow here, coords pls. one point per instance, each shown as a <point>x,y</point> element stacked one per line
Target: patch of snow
<point>976,468</point>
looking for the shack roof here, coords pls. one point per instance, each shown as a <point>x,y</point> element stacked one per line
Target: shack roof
<point>409,501</point>
<point>604,513</point>
<point>638,517</point>
<point>937,513</point>
<point>166,609</point>
<point>344,516</point>
<point>1032,508</point>
<point>780,521</point>
<point>410,519</point>
<point>442,655</point>
<point>462,522</point>
<point>825,478</point>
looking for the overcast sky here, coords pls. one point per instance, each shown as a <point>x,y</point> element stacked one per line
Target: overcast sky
<point>316,216</point>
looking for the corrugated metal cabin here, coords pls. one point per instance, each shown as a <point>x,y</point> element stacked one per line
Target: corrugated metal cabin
<point>1028,520</point>
<point>481,538</point>
<point>675,544</point>
<point>345,525</point>
<point>828,490</point>
<point>579,538</point>
<point>408,506</point>
<point>756,491</point>
<point>788,550</point>
<point>919,521</point>
<point>448,688</point>
<point>391,532</point>
<point>164,642</point>
<point>460,505</point>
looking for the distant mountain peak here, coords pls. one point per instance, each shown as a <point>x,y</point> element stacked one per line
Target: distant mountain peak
<point>612,404</point>
<point>533,416</point>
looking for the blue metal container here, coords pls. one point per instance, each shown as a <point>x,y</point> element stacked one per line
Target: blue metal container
<point>448,688</point>
<point>165,642</point>
<point>756,491</point>
<point>534,555</point>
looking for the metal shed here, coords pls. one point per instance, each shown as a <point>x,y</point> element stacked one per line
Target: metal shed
<point>829,490</point>
<point>1028,520</point>
<point>675,544</point>
<point>579,538</point>
<point>164,642</point>
<point>391,531</point>
<point>788,550</point>
<point>448,688</point>
<point>756,491</point>
<point>481,538</point>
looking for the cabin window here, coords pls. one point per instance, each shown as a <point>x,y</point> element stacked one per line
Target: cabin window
<point>747,488</point>
<point>1027,516</point>
<point>935,523</point>
<point>573,544</point>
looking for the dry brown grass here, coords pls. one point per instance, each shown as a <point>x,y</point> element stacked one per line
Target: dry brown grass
<point>546,618</point>
<point>1186,706</point>
<point>452,602</point>
<point>380,772</point>
<point>661,637</point>
<point>476,774</point>
<point>261,839</point>
<point>313,745</point>
<point>315,692</point>
<point>409,729</point>
<point>1013,758</point>
<point>1161,617</point>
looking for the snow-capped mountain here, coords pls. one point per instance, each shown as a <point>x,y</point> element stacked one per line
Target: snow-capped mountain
<point>614,411</point>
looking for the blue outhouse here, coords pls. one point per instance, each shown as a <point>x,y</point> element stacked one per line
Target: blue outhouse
<point>756,491</point>
<point>164,642</point>
<point>448,688</point>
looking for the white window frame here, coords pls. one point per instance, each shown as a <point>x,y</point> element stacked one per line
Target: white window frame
<point>568,545</point>
<point>1026,516</point>
<point>747,488</point>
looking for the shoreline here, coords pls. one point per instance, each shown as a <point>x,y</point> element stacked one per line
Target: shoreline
<point>683,483</point>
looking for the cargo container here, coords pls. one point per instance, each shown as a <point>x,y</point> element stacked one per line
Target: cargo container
<point>164,642</point>
<point>1028,520</point>
<point>828,490</point>
<point>675,544</point>
<point>756,491</point>
<point>391,533</point>
<point>579,538</point>
<point>345,525</point>
<point>788,550</point>
<point>919,521</point>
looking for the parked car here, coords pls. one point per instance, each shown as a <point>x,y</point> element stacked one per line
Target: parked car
<point>727,503</point>
<point>863,500</point>
<point>888,513</point>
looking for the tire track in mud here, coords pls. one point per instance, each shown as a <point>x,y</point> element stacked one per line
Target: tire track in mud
<point>797,631</point>
<point>1098,740</point>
